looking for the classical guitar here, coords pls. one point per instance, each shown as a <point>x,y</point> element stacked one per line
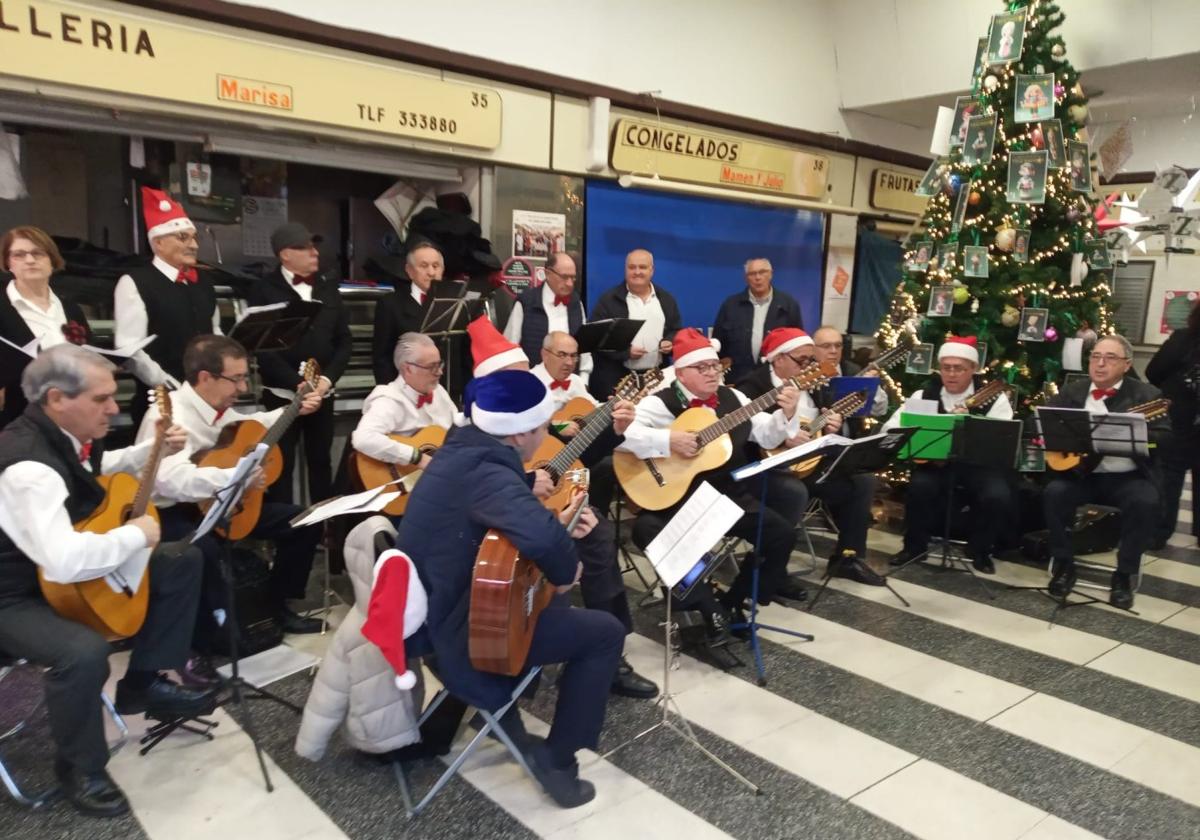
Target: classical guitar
<point>987,394</point>
<point>239,439</point>
<point>1087,461</point>
<point>557,458</point>
<point>508,593</point>
<point>815,427</point>
<point>374,473</point>
<point>658,483</point>
<point>115,614</point>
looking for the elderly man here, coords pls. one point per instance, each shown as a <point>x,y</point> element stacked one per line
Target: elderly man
<point>404,310</point>
<point>744,318</point>
<point>168,298</point>
<point>553,307</point>
<point>640,299</point>
<point>1127,483</point>
<point>328,340</point>
<point>49,458</point>
<point>987,488</point>
<point>829,343</point>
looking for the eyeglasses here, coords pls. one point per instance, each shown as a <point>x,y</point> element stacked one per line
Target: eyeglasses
<point>36,253</point>
<point>436,367</point>
<point>562,354</point>
<point>185,237</point>
<point>240,379</point>
<point>571,277</point>
<point>802,361</point>
<point>1108,358</point>
<point>706,367</point>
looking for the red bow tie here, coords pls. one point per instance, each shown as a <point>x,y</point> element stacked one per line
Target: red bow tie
<point>85,452</point>
<point>1103,393</point>
<point>423,296</point>
<point>560,384</point>
<point>711,402</point>
<point>561,300</point>
<point>424,399</point>
<point>298,280</point>
<point>187,275</point>
<point>218,416</point>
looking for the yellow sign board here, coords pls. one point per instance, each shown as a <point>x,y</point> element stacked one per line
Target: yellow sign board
<point>646,147</point>
<point>892,189</point>
<point>115,48</point>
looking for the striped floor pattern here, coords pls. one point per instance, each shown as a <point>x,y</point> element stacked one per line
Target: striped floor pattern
<point>966,715</point>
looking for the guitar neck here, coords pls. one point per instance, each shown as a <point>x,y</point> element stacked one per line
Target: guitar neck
<point>848,403</point>
<point>594,424</point>
<point>279,427</point>
<point>141,500</point>
<point>736,418</point>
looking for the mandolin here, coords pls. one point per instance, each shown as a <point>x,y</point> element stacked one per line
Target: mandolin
<point>815,427</point>
<point>375,473</point>
<point>658,483</point>
<point>239,439</point>
<point>508,593</point>
<point>557,458</point>
<point>1087,461</point>
<point>888,358</point>
<point>94,603</point>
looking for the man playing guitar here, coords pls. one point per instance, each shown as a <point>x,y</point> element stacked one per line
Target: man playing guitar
<point>217,373</point>
<point>1127,483</point>
<point>49,458</point>
<point>987,489</point>
<point>475,483</point>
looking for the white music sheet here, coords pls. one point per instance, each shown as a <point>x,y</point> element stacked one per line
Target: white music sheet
<point>704,519</point>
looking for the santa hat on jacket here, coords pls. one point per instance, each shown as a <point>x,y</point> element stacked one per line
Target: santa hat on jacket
<point>397,610</point>
<point>691,347</point>
<point>489,349</point>
<point>163,214</point>
<point>784,340</point>
<point>507,402</point>
<point>960,347</point>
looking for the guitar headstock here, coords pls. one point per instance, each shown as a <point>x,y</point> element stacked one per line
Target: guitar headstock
<point>892,357</point>
<point>851,403</point>
<point>1156,408</point>
<point>987,394</point>
<point>627,388</point>
<point>162,399</point>
<point>812,376</point>
<point>310,374</point>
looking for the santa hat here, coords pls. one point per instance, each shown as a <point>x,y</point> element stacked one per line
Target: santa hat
<point>163,214</point>
<point>960,348</point>
<point>397,610</point>
<point>784,340</point>
<point>691,347</point>
<point>489,349</point>
<point>507,402</point>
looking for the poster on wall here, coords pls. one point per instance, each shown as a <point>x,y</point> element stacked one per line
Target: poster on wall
<point>1176,307</point>
<point>537,235</point>
<point>519,273</point>
<point>260,217</point>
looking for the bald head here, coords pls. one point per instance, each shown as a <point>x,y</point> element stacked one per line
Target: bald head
<point>828,341</point>
<point>639,271</point>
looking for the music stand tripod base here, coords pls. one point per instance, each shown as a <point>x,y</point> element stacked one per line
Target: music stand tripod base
<point>164,726</point>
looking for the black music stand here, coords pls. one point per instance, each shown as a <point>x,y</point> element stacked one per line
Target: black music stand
<point>276,326</point>
<point>614,334</point>
<point>452,306</point>
<point>977,442</point>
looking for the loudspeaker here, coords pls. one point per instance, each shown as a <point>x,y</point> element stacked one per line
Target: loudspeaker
<point>257,626</point>
<point>1095,529</point>
<point>597,145</point>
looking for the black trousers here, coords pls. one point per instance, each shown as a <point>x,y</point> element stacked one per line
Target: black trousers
<point>1182,455</point>
<point>986,490</point>
<point>77,656</point>
<point>1136,496</point>
<point>848,501</point>
<point>316,429</point>
<point>778,540</point>
<point>601,584</point>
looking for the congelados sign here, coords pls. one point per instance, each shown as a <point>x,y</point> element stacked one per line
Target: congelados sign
<point>644,147</point>
<point>108,47</point>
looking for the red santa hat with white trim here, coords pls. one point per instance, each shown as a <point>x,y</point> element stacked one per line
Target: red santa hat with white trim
<point>163,214</point>
<point>960,347</point>
<point>397,609</point>
<point>691,347</point>
<point>490,350</point>
<point>784,340</point>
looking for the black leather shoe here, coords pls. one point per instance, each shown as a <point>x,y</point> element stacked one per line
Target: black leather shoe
<point>1121,596</point>
<point>165,699</point>
<point>292,622</point>
<point>94,794</point>
<point>984,565</point>
<point>901,557</point>
<point>850,567</point>
<point>791,590</point>
<point>627,683</point>
<point>738,616</point>
<point>563,785</point>
<point>1063,579</point>
<point>716,629</point>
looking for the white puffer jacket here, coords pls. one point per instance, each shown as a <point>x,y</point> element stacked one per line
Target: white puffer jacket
<point>355,684</point>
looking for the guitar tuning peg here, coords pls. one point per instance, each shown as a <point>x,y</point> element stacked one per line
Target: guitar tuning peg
<point>152,396</point>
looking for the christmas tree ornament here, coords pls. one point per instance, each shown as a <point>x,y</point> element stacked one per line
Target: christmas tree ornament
<point>1059,90</point>
<point>1006,238</point>
<point>990,84</point>
<point>1010,316</point>
<point>1079,270</point>
<point>1078,113</point>
<point>1058,51</point>
<point>961,294</point>
<point>1036,137</point>
<point>975,306</point>
<point>1073,214</point>
<point>1051,334</point>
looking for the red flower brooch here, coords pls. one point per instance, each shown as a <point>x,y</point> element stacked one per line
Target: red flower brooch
<point>75,332</point>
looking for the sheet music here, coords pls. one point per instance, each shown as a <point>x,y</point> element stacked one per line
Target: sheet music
<point>920,405</point>
<point>704,519</point>
<point>1113,438</point>
<point>217,512</point>
<point>788,455</point>
<point>368,501</point>
<point>122,352</point>
<point>30,349</point>
<point>129,574</point>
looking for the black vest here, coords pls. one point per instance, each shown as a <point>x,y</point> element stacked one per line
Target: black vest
<point>727,403</point>
<point>933,391</point>
<point>34,437</point>
<point>535,323</point>
<point>176,313</point>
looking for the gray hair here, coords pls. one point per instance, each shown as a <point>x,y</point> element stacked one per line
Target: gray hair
<point>425,243</point>
<point>408,345</point>
<point>746,266</point>
<point>64,367</point>
<point>1120,339</point>
<point>550,336</point>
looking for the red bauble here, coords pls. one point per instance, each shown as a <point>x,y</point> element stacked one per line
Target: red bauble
<point>973,198</point>
<point>1035,137</point>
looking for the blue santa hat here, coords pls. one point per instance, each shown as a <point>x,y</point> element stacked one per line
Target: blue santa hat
<point>507,402</point>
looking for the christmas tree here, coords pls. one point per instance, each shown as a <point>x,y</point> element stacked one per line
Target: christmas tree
<point>1008,233</point>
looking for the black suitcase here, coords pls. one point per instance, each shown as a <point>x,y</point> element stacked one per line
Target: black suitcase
<point>1096,529</point>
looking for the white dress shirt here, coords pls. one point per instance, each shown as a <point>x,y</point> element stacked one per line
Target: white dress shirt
<point>45,324</point>
<point>649,435</point>
<point>34,515</point>
<point>806,409</point>
<point>556,321</point>
<point>651,333</point>
<point>1000,409</point>
<point>305,290</point>
<point>562,396</point>
<point>179,480</point>
<point>392,410</point>
<point>1109,463</point>
<point>130,325</point>
<point>760,320</point>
